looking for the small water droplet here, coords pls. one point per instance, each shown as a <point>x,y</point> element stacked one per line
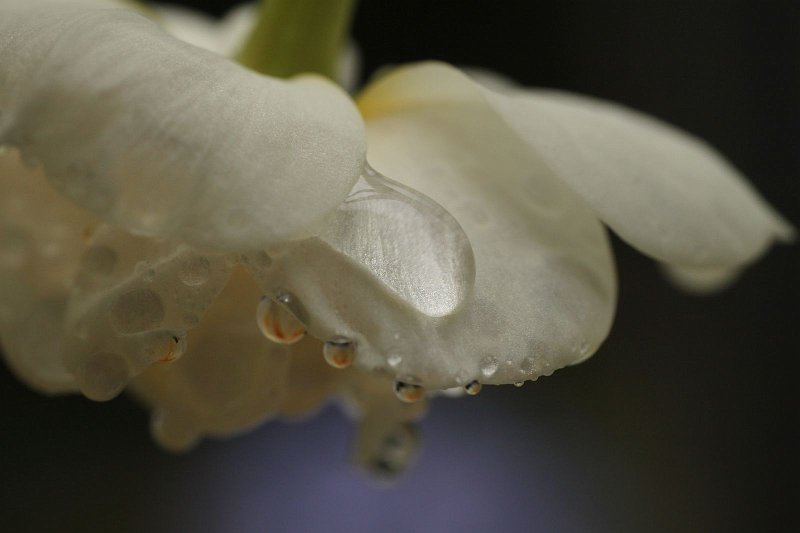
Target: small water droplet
<point>406,392</point>
<point>277,322</point>
<point>195,271</point>
<point>519,384</point>
<point>339,352</point>
<point>137,310</point>
<point>489,366</point>
<point>385,450</point>
<point>102,376</point>
<point>473,388</point>
<point>394,360</point>
<point>529,365</point>
<point>165,348</point>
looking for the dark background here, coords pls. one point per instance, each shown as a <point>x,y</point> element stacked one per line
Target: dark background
<point>684,421</point>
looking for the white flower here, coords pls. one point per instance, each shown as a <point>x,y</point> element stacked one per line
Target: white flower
<point>188,186</point>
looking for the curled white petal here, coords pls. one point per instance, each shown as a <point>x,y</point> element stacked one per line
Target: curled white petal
<point>167,139</point>
<point>667,193</point>
<point>544,292</point>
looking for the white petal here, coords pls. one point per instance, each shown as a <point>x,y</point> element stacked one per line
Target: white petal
<point>231,378</point>
<point>662,190</point>
<point>544,291</point>
<point>42,236</point>
<point>167,139</point>
<point>224,36</point>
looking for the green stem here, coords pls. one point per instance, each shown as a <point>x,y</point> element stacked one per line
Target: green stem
<point>296,36</point>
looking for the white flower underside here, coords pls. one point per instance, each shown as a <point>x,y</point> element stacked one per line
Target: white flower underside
<point>200,186</point>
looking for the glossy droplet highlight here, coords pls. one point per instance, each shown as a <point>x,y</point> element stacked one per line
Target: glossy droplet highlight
<point>102,376</point>
<point>488,366</point>
<point>277,322</point>
<point>195,271</point>
<point>473,388</point>
<point>406,392</point>
<point>394,360</point>
<point>339,352</point>
<point>137,310</point>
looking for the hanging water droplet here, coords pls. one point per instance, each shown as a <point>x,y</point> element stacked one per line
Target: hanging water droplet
<point>473,388</point>
<point>173,432</point>
<point>277,322</point>
<point>339,352</point>
<point>488,366</point>
<point>394,360</point>
<point>195,271</point>
<point>137,310</point>
<point>519,384</point>
<point>102,376</point>
<point>407,392</point>
<point>386,448</point>
<point>168,349</point>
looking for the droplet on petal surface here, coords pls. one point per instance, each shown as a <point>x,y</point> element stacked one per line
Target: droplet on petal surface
<point>489,365</point>
<point>277,322</point>
<point>406,392</point>
<point>339,352</point>
<point>195,271</point>
<point>102,376</point>
<point>137,310</point>
<point>473,388</point>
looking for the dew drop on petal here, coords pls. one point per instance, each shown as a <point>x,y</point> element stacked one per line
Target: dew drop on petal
<point>102,376</point>
<point>137,310</point>
<point>394,360</point>
<point>519,384</point>
<point>195,271</point>
<point>339,352</point>
<point>473,388</point>
<point>529,365</point>
<point>488,366</point>
<point>166,349</point>
<point>172,433</point>
<point>406,392</point>
<point>277,322</point>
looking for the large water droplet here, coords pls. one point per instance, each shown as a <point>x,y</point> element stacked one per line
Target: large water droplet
<point>164,348</point>
<point>137,310</point>
<point>195,271</point>
<point>339,352</point>
<point>407,392</point>
<point>102,376</point>
<point>406,240</point>
<point>489,365</point>
<point>277,322</point>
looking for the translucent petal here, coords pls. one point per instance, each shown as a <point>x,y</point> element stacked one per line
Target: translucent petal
<point>137,298</point>
<point>167,139</point>
<point>223,36</point>
<point>544,290</point>
<point>231,378</point>
<point>662,190</point>
<point>42,238</point>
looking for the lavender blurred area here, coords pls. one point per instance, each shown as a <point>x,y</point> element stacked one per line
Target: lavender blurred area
<point>684,421</point>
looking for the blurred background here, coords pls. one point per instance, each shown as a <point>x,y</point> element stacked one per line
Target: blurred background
<point>684,421</point>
